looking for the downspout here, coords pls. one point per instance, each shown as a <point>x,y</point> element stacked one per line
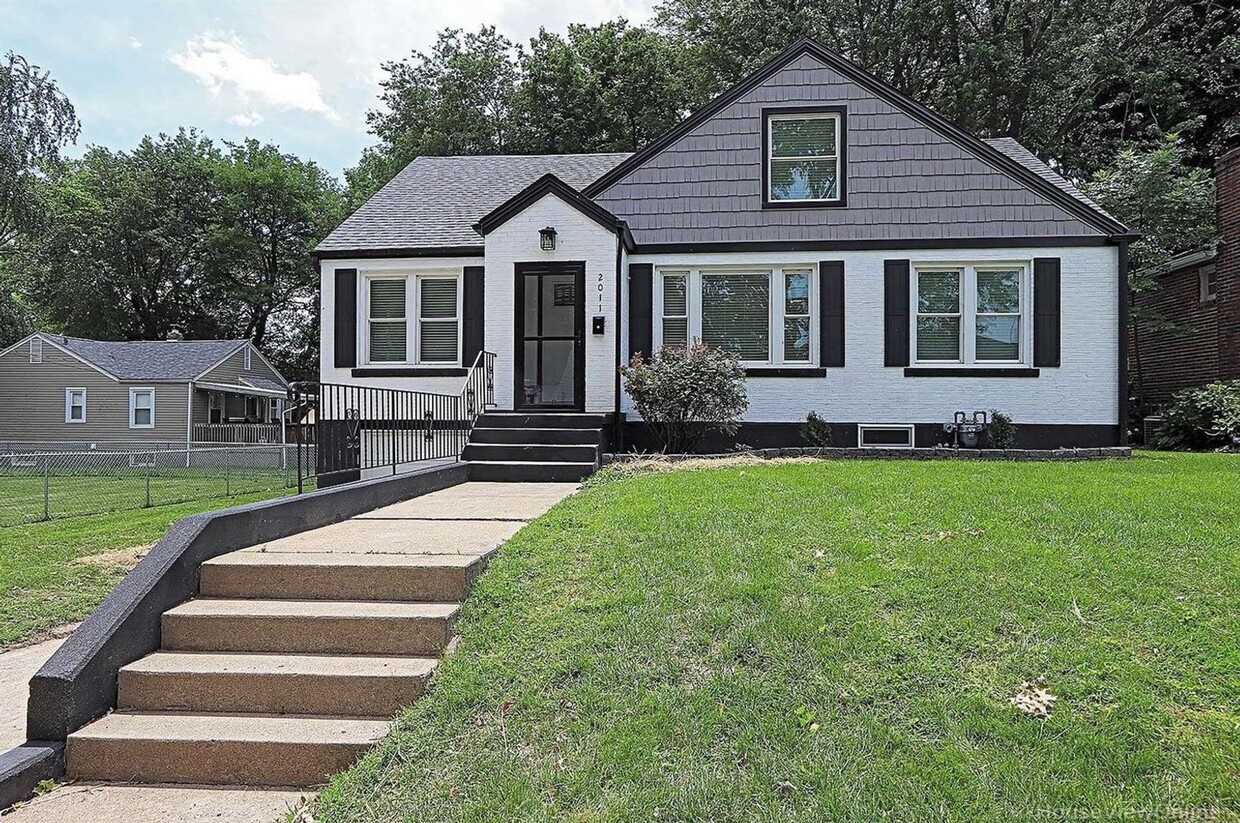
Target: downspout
<point>617,438</point>
<point>1123,342</point>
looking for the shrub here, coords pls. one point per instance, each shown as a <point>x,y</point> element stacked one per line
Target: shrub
<point>815,430</point>
<point>684,392</point>
<point>1202,418</point>
<point>1000,431</point>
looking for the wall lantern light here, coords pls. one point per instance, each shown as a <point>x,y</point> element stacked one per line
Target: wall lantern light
<point>546,238</point>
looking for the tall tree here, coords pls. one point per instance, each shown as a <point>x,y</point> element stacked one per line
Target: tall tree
<point>36,122</point>
<point>1172,205</point>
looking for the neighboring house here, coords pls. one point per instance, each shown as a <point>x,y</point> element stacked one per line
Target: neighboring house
<point>1194,337</point>
<point>867,259</point>
<point>66,391</point>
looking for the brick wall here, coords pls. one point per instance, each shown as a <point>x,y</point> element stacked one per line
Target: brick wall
<point>1227,172</point>
<point>1171,360</point>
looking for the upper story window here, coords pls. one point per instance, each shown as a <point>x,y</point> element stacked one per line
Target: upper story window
<point>1207,284</point>
<point>971,314</point>
<point>764,315</point>
<point>413,319</point>
<point>804,156</point>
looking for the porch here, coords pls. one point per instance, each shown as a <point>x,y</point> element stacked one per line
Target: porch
<point>249,414</point>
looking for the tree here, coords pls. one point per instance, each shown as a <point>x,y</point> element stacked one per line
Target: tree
<point>1172,205</point>
<point>36,122</point>
<point>14,318</point>
<point>272,210</point>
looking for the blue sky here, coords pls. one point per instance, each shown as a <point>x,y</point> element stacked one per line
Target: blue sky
<point>299,73</point>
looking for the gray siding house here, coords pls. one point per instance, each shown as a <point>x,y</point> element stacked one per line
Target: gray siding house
<point>67,392</point>
<point>867,259</point>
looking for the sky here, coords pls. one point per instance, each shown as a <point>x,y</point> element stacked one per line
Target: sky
<point>298,73</point>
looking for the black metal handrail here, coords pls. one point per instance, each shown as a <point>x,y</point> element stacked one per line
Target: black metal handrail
<point>366,427</point>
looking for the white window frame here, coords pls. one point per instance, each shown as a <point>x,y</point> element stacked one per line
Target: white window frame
<point>907,428</point>
<point>36,350</point>
<point>413,316</point>
<point>775,316</point>
<point>69,404</point>
<point>133,392</point>
<point>968,312</point>
<point>770,159</point>
<point>245,359</point>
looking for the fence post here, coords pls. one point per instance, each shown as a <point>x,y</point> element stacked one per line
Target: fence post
<point>150,458</point>
<point>47,508</point>
<point>227,472</point>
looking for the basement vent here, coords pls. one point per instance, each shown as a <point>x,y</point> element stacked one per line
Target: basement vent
<point>880,436</point>
<point>36,350</point>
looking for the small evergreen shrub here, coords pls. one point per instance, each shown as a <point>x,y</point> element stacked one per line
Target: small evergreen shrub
<point>1000,431</point>
<point>683,392</point>
<point>1207,417</point>
<point>816,431</point>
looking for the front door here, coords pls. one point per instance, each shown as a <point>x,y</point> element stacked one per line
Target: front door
<point>551,339</point>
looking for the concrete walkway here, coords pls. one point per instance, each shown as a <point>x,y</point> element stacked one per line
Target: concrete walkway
<point>470,520</point>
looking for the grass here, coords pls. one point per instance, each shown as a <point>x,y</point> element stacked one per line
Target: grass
<point>838,641</point>
<point>44,582</point>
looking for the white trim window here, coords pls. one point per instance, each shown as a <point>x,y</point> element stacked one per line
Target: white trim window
<point>764,314</point>
<point>142,408</point>
<point>803,157</point>
<point>246,361</point>
<point>971,314</point>
<point>412,319</point>
<point>36,350</point>
<point>75,405</point>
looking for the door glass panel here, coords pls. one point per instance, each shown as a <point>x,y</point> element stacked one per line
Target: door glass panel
<point>558,370</point>
<point>559,305</point>
<point>529,378</point>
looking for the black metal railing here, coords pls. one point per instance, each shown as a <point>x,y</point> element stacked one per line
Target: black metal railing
<point>363,428</point>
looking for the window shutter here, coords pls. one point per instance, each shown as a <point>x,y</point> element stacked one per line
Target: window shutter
<point>641,308</point>
<point>895,312</point>
<point>1046,311</point>
<point>473,323</point>
<point>831,313</point>
<point>344,329</point>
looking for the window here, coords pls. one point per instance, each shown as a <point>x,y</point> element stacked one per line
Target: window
<point>764,315</point>
<point>141,408</point>
<point>36,350</point>
<point>75,405</point>
<point>804,149</point>
<point>970,314</point>
<point>215,408</point>
<point>245,358</point>
<point>414,319</point>
<point>1208,284</point>
<point>877,436</point>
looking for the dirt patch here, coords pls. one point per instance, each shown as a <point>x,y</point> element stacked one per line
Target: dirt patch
<point>117,558</point>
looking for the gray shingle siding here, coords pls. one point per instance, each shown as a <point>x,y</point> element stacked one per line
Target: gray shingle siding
<point>904,179</point>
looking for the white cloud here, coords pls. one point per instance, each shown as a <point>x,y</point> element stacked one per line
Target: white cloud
<point>222,65</point>
<point>246,119</point>
<point>135,43</point>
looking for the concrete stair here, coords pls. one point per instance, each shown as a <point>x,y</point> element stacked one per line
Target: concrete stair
<point>535,446</point>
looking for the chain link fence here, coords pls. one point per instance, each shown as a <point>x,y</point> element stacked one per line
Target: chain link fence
<point>48,484</point>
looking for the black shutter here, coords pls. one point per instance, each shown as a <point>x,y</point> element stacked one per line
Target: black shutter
<point>1046,311</point>
<point>831,313</point>
<point>345,327</point>
<point>473,326</point>
<point>641,309</point>
<point>895,312</point>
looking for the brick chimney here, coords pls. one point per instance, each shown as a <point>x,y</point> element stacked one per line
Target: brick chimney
<point>1227,177</point>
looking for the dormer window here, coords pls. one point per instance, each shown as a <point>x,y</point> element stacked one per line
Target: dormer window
<point>804,162</point>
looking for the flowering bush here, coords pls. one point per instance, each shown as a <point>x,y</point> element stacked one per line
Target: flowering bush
<point>684,392</point>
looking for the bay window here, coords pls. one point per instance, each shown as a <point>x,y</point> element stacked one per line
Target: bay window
<point>763,314</point>
<point>970,314</point>
<point>413,319</point>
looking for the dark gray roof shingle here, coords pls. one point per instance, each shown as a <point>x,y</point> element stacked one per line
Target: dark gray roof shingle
<point>150,359</point>
<point>1029,160</point>
<point>434,201</point>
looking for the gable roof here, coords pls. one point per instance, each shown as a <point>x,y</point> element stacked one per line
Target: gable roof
<point>540,188</point>
<point>430,207</point>
<point>1029,160</point>
<point>136,360</point>
<point>1038,180</point>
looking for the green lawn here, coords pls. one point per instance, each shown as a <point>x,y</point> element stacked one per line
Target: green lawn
<point>838,641</point>
<point>43,582</point>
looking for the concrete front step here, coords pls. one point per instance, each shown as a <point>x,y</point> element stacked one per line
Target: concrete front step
<point>557,437</point>
<point>273,683</point>
<point>246,750</point>
<point>530,451</point>
<point>543,420</point>
<point>524,472</point>
<point>300,575</point>
<point>309,626</point>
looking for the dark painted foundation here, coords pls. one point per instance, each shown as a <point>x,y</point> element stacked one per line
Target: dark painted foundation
<point>637,437</point>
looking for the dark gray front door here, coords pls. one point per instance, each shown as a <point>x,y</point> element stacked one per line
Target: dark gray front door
<point>551,342</point>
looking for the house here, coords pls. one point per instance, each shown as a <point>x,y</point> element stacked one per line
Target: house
<point>60,392</point>
<point>1196,303</point>
<point>866,258</point>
